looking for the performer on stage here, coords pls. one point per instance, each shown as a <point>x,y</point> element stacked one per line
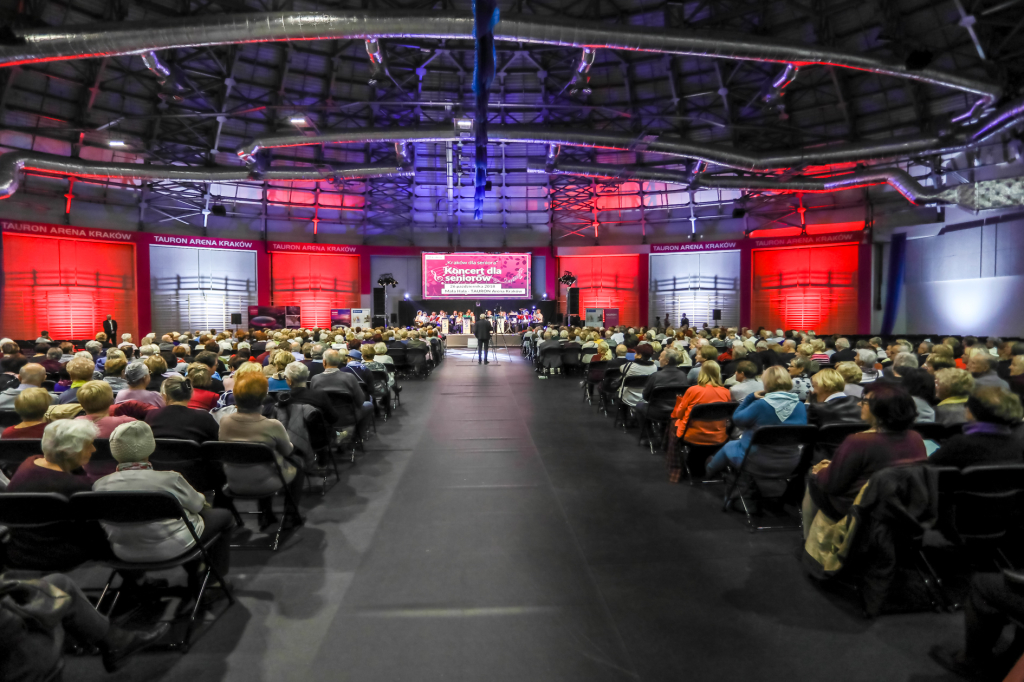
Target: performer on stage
<point>483,330</point>
<point>538,316</point>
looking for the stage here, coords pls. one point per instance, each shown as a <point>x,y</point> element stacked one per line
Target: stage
<point>497,341</point>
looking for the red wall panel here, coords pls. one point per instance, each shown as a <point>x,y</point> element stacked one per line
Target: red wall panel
<point>67,287</point>
<point>605,282</point>
<point>315,283</point>
<point>806,288</point>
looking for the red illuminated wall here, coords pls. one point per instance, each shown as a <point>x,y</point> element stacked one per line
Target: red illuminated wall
<point>605,282</point>
<point>66,287</point>
<point>813,288</point>
<point>316,283</point>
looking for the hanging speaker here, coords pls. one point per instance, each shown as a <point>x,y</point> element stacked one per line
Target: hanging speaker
<point>378,301</point>
<point>236,318</point>
<point>573,301</point>
<point>716,314</point>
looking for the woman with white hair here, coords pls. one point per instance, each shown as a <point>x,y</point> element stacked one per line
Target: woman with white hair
<point>67,446</point>
<point>126,344</point>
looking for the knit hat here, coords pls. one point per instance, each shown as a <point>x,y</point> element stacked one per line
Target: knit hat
<point>132,442</point>
<point>136,372</point>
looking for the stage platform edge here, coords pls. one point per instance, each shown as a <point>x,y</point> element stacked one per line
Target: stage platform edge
<point>498,340</point>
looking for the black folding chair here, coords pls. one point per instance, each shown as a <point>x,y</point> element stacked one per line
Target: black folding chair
<point>662,398</point>
<point>936,431</point>
<point>764,465</point>
<point>571,360</point>
<point>321,439</point>
<point>635,382</point>
<point>349,413</point>
<point>253,454</point>
<point>694,455</point>
<point>34,511</point>
<point>595,374</point>
<point>102,461</point>
<point>831,436</point>
<point>401,359</point>
<point>417,358</point>
<point>551,359</point>
<point>609,386</point>
<point>9,418</point>
<point>14,451</point>
<point>987,512</point>
<point>383,397</point>
<point>129,507</point>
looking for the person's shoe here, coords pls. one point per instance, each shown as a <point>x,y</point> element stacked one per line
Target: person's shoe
<point>119,644</point>
<point>267,519</point>
<point>487,362</point>
<point>954,661</point>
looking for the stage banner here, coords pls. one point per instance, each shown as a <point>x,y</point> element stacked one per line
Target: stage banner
<point>594,317</point>
<point>611,317</point>
<point>361,317</point>
<point>476,275</point>
<point>341,317</point>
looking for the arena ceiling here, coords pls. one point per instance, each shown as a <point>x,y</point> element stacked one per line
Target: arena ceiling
<point>629,117</point>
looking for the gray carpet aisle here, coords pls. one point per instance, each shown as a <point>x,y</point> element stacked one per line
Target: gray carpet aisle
<point>506,532</point>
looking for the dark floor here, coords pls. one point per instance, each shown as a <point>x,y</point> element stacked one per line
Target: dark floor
<point>500,529</point>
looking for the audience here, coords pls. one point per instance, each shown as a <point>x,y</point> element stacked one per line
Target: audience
<point>200,381</point>
<point>80,370</point>
<point>982,366</point>
<point>745,381</point>
<point>178,419</point>
<point>988,436</point>
<point>952,388</point>
<point>113,370</point>
<point>136,375</point>
<point>31,406</point>
<point>30,375</point>
<point>642,365</point>
<point>95,397</point>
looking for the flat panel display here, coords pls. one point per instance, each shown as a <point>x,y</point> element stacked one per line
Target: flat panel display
<point>476,275</point>
<point>274,316</point>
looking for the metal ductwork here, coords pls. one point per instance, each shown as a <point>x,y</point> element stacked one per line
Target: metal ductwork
<point>975,196</point>
<point>726,157</point>
<point>13,164</point>
<point>114,39</point>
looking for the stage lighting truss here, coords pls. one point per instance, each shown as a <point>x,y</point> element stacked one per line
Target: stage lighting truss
<point>386,279</point>
<point>568,279</point>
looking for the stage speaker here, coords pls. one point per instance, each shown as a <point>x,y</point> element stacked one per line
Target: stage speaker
<point>378,321</point>
<point>236,318</point>
<point>573,301</point>
<point>394,318</point>
<point>716,314</point>
<point>378,301</point>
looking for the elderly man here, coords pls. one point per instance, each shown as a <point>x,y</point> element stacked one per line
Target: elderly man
<point>268,350</point>
<point>669,375</point>
<point>745,381</point>
<point>297,376</point>
<point>865,361</point>
<point>334,379</point>
<point>30,376</point>
<point>315,363</point>
<point>982,366</point>
<point>902,363</point>
<point>843,352</point>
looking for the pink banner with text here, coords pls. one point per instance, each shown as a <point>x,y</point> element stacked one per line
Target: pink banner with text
<point>476,275</point>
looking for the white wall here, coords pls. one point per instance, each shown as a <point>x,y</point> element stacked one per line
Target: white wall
<point>406,270</point>
<point>695,283</point>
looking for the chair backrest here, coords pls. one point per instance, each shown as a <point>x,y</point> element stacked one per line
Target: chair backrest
<point>665,394</point>
<point>9,418</point>
<point>611,373</point>
<point>835,434</point>
<point>129,506</point>
<point>345,404</point>
<point>596,370</point>
<point>988,502</point>
<point>936,431</point>
<point>318,430</point>
<point>33,509</point>
<point>551,350</point>
<point>587,352</point>
<point>175,450</point>
<point>14,451</point>
<point>571,356</point>
<point>711,412</point>
<point>50,384</point>
<point>233,452</point>
<point>103,453</point>
<point>784,435</point>
<point>635,380</point>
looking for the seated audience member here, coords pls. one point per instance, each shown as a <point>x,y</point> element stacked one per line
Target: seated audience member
<point>157,372</point>
<point>48,357</point>
<point>199,378</point>
<point>31,405</point>
<point>113,370</point>
<point>249,425</point>
<point>995,601</point>
<point>819,355</point>
<point>67,446</point>
<point>890,441</point>
<point>832,405</point>
<point>380,354</point>
<point>920,384</point>
<point>217,368</point>
<point>799,368</point>
<point>709,389</point>
<point>131,445</point>
<point>180,356</point>
<point>704,354</point>
<point>982,366</point>
<point>30,375</point>
<point>851,375</point>
<point>936,362</point>
<point>865,361</point>
<point>668,376</point>
<point>777,405</point>
<point>178,419</point>
<point>843,352</point>
<point>80,370</point>
<point>278,362</point>
<point>126,345</point>
<point>952,388</point>
<point>1016,376</point>
<point>95,397</point>
<point>136,375</point>
<point>642,365</point>
<point>746,381</point>
<point>297,376</point>
<point>315,363</point>
<point>988,438</point>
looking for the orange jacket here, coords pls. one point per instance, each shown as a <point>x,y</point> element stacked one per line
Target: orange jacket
<point>703,433</point>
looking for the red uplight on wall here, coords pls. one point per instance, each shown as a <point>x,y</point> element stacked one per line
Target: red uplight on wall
<point>66,287</point>
<point>825,228</point>
<point>605,282</point>
<point>315,283</point>
<point>810,288</point>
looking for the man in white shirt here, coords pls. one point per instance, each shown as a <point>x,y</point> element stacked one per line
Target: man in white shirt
<point>31,375</point>
<point>746,381</point>
<point>619,336</point>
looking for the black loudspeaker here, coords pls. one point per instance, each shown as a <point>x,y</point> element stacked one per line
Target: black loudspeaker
<point>573,301</point>
<point>394,318</point>
<point>236,318</point>
<point>378,301</point>
<point>378,321</point>
<point>716,314</point>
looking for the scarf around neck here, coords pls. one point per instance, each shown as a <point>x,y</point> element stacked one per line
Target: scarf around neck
<point>783,403</point>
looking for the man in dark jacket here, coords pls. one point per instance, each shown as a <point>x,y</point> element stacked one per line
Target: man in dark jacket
<point>482,331</point>
<point>297,375</point>
<point>843,352</point>
<point>668,375</point>
<point>988,438</point>
<point>832,405</point>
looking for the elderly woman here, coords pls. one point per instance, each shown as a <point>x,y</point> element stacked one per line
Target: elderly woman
<point>709,389</point>
<point>249,425</point>
<point>136,375</point>
<point>131,445</point>
<point>777,404</point>
<point>96,398</point>
<point>80,370</point>
<point>279,361</point>
<point>67,446</point>
<point>31,405</point>
<point>799,373</point>
<point>199,380</point>
<point>1016,378</point>
<point>952,389</point>
<point>890,412</point>
<point>851,376</point>
<point>157,371</point>
<point>179,419</point>
<point>642,365</point>
<point>113,370</point>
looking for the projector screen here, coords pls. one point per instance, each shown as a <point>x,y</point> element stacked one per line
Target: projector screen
<point>476,275</point>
